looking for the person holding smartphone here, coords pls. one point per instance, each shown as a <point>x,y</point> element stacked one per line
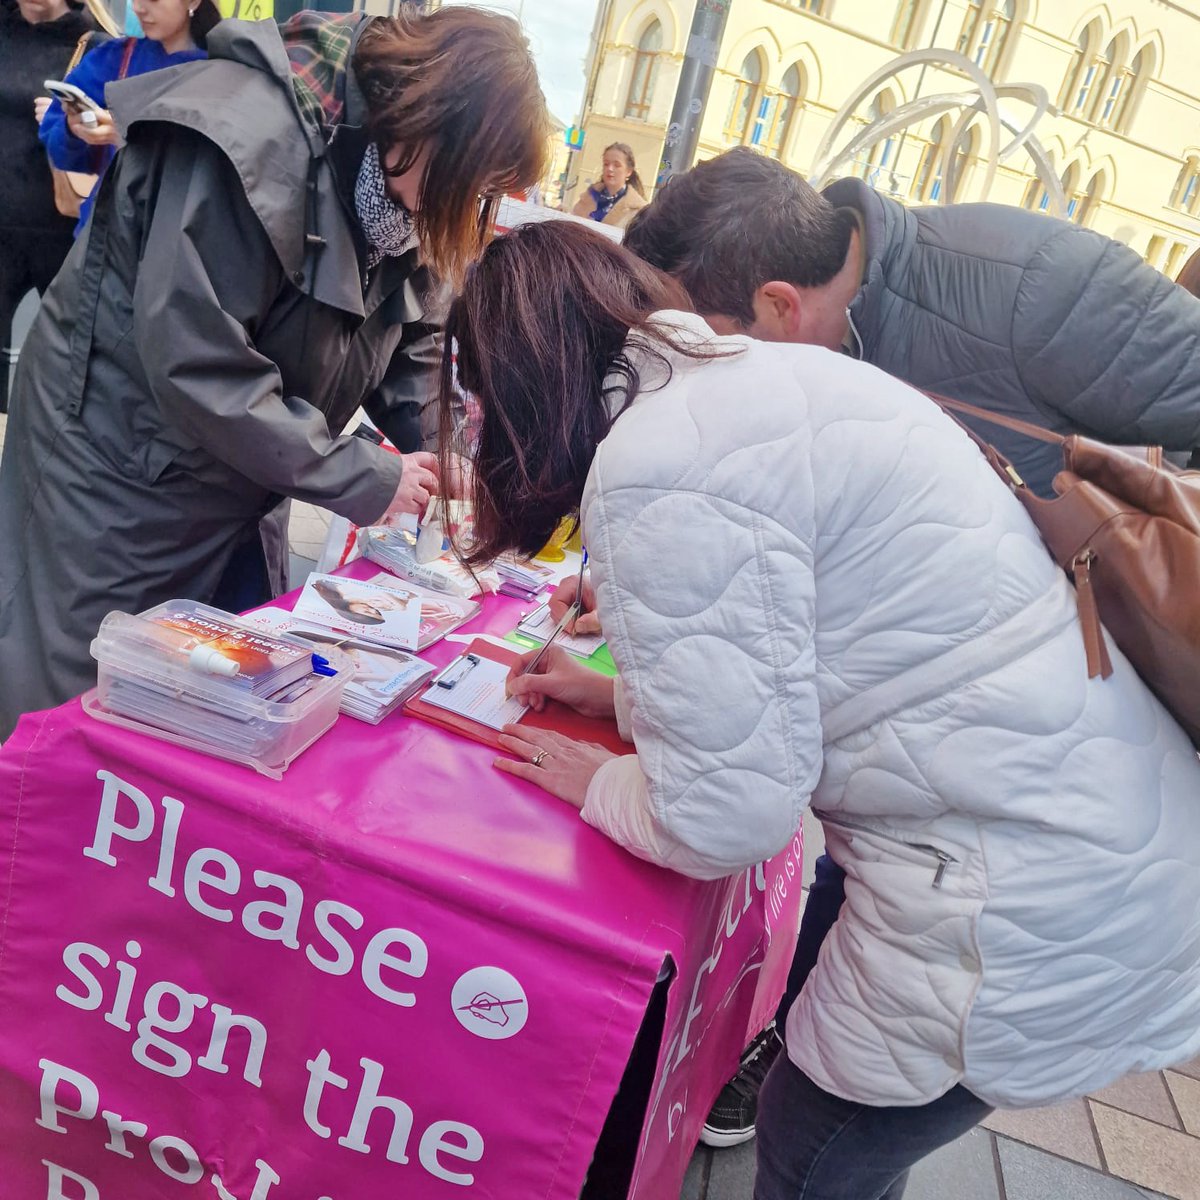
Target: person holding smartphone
<point>82,137</point>
<point>37,38</point>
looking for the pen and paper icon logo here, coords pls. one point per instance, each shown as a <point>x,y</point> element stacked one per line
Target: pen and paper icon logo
<point>490,1003</point>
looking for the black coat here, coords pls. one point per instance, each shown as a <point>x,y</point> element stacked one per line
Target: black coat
<point>29,55</point>
<point>196,359</point>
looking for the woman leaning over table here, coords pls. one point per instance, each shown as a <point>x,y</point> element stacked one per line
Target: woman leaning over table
<point>266,254</point>
<point>176,32</point>
<point>815,589</point>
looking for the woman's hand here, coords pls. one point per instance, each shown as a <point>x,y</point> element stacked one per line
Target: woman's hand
<point>102,133</point>
<point>564,597</point>
<point>564,767</point>
<point>40,106</point>
<point>418,482</point>
<point>561,677</point>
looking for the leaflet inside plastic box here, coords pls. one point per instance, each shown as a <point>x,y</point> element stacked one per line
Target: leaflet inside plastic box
<point>202,678</point>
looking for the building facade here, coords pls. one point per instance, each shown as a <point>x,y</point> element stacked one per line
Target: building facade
<point>1121,130</point>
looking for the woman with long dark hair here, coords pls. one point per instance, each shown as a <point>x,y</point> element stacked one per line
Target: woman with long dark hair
<point>268,252</point>
<point>816,590</point>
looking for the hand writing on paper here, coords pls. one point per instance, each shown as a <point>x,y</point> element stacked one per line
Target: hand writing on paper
<point>565,767</point>
<point>560,676</point>
<point>564,597</point>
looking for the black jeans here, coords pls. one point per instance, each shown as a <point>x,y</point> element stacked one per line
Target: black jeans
<point>815,1146</point>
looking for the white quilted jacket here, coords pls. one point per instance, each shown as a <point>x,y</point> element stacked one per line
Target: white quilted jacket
<point>815,589</point>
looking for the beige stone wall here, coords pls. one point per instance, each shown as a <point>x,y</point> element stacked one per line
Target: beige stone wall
<point>1125,180</point>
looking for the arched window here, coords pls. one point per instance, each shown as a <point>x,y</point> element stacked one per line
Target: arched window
<point>782,111</point>
<point>1186,194</point>
<point>1037,196</point>
<point>1073,193</point>
<point>645,72</point>
<point>966,151</point>
<point>1092,196</point>
<point>747,99</point>
<point>1137,77</point>
<point>1112,81</point>
<point>1086,67</point>
<point>906,24</point>
<point>927,184</point>
<point>874,161</point>
<point>985,32</point>
<point>930,183</point>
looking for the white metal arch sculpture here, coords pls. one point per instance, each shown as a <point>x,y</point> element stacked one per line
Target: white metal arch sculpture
<point>981,97</point>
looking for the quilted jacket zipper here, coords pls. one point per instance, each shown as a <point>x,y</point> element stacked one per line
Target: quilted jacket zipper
<point>941,856</point>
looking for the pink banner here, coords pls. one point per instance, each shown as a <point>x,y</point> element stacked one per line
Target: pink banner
<point>395,972</point>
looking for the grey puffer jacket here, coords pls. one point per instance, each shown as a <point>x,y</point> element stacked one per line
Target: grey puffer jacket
<point>1027,316</point>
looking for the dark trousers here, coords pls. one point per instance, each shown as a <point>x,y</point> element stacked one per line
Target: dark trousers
<point>825,896</point>
<point>29,259</point>
<point>815,1146</point>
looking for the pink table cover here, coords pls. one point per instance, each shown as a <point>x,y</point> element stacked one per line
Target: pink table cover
<point>397,972</point>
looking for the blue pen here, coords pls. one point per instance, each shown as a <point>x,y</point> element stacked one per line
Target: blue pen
<point>320,666</point>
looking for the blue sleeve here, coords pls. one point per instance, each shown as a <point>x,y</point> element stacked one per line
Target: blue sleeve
<point>98,67</point>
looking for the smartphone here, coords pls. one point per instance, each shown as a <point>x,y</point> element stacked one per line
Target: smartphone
<point>69,96</point>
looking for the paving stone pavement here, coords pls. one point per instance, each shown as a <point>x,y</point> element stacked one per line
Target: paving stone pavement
<point>981,1165</point>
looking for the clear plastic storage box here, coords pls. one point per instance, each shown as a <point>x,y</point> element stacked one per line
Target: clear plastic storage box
<point>152,682</point>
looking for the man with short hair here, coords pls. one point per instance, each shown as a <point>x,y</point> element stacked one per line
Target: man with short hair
<point>1012,311</point>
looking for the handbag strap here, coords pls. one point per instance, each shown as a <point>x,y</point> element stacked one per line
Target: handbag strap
<point>1025,427</point>
<point>81,48</point>
<point>126,57</point>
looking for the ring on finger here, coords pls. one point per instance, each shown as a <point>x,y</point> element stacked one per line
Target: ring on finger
<point>536,760</point>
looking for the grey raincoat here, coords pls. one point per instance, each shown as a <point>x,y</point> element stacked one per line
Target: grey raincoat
<point>1027,316</point>
<point>209,336</point>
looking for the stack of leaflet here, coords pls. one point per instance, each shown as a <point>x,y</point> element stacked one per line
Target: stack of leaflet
<point>383,677</point>
<point>200,678</point>
<point>522,578</point>
<point>383,610</point>
<point>540,625</point>
<point>396,549</point>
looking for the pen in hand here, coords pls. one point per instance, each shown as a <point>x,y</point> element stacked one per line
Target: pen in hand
<point>572,612</point>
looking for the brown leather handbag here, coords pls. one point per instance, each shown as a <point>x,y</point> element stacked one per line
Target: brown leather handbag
<point>1126,527</point>
<point>72,188</point>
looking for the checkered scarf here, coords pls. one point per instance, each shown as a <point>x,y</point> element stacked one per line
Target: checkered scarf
<point>318,48</point>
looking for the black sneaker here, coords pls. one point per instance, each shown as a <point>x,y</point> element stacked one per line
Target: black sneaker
<point>731,1119</point>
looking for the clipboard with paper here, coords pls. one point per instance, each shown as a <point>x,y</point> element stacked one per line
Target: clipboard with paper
<point>555,716</point>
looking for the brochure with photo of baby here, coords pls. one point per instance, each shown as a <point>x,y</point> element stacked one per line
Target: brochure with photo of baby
<point>388,616</point>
